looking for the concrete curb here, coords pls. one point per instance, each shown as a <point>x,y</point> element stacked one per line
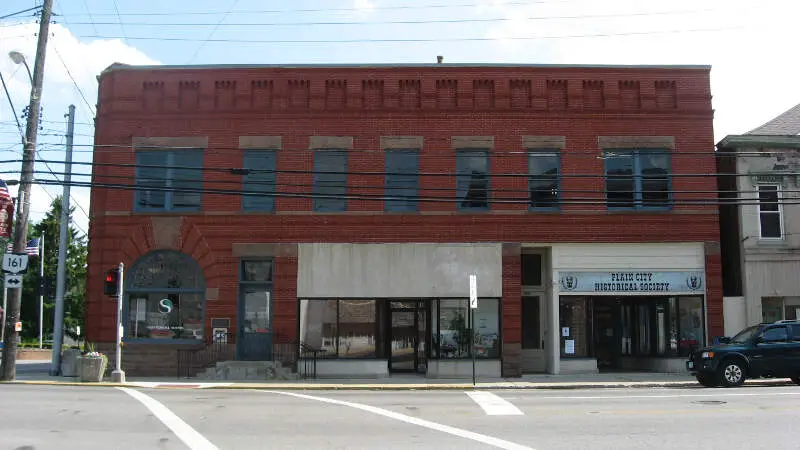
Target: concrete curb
<point>398,387</point>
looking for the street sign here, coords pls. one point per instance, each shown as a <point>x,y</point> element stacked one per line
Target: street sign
<point>15,263</point>
<point>13,281</point>
<point>473,291</point>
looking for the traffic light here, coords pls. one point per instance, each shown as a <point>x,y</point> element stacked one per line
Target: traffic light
<point>111,288</point>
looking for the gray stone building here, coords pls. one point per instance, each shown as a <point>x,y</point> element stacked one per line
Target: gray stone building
<point>759,183</point>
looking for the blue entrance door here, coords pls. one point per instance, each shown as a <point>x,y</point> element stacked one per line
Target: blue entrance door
<point>255,323</point>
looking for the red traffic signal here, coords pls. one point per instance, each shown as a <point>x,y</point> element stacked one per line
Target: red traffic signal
<point>111,287</point>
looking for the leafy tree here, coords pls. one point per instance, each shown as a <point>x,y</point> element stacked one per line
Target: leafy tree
<point>75,292</point>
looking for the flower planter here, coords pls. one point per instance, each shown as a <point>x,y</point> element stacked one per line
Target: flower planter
<point>92,368</point>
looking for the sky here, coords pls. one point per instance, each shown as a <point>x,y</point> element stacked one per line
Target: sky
<point>748,44</point>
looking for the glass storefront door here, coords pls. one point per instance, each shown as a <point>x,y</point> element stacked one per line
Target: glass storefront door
<point>409,333</point>
<point>255,334</point>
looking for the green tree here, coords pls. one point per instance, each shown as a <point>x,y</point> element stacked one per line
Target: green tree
<point>75,292</point>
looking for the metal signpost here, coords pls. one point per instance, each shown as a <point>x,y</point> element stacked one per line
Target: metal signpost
<point>118,375</point>
<point>473,305</point>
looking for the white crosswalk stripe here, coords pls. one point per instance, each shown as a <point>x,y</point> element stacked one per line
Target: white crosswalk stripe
<point>494,405</point>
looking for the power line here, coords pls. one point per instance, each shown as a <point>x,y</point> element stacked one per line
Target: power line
<point>315,10</point>
<point>80,91</point>
<point>586,201</point>
<point>210,35</point>
<point>243,170</point>
<point>122,27</point>
<point>554,179</point>
<point>399,22</point>
<point>21,12</point>
<point>413,40</point>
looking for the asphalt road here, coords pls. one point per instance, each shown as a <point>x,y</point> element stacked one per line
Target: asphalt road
<point>63,417</point>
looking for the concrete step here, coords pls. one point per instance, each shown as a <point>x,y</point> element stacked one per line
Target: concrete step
<point>247,371</point>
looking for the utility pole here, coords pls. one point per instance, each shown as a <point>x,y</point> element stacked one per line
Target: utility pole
<point>9,364</point>
<point>41,290</point>
<point>63,246</point>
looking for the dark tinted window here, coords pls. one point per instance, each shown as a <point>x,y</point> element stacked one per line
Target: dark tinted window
<point>777,334</point>
<point>796,333</point>
<point>543,181</point>
<point>531,269</point>
<point>330,180</point>
<point>175,184</point>
<point>259,184</point>
<point>531,336</point>
<point>402,174</point>
<point>472,181</point>
<point>769,212</point>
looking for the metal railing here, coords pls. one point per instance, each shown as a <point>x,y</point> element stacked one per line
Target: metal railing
<point>192,361</point>
<point>299,357</point>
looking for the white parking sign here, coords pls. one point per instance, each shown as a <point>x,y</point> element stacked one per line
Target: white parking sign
<point>15,263</point>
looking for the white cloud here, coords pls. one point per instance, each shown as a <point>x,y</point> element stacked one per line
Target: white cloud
<point>85,60</point>
<point>753,77</point>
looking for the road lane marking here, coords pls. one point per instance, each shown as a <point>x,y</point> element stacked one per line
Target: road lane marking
<point>185,433</point>
<point>482,438</point>
<point>606,397</point>
<point>493,405</point>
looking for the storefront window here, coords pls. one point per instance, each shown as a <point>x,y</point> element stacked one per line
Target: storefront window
<point>165,298</point>
<point>165,316</point>
<point>487,329</point>
<point>357,320</point>
<point>575,322</point>
<point>451,322</point>
<point>318,320</point>
<point>340,328</point>
<point>454,339</point>
<point>690,318</point>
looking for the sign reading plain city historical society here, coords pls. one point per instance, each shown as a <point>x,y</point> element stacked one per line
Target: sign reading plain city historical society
<point>631,282</point>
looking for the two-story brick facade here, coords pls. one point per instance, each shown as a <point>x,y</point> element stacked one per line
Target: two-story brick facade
<point>345,207</point>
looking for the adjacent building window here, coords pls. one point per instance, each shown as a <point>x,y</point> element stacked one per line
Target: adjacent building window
<point>258,183</point>
<point>166,298</point>
<point>472,179</point>
<point>402,178</point>
<point>544,179</point>
<point>330,180</point>
<point>774,309</point>
<point>575,320</point>
<point>638,179</point>
<point>341,328</point>
<point>169,180</point>
<point>770,212</point>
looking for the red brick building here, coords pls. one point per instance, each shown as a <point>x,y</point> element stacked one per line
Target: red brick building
<point>345,207</point>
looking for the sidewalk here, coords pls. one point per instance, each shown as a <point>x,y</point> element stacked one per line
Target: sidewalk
<point>36,373</point>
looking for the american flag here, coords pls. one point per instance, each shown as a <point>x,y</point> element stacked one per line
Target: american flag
<point>32,249</point>
<point>4,194</point>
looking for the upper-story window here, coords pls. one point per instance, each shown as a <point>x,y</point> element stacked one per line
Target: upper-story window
<point>169,180</point>
<point>258,183</point>
<point>472,179</point>
<point>402,178</point>
<point>330,180</point>
<point>544,169</point>
<point>638,179</point>
<point>770,213</point>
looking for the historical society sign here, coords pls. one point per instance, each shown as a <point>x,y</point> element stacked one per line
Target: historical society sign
<point>631,282</point>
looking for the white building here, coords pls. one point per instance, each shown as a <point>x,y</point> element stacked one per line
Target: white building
<point>760,226</point>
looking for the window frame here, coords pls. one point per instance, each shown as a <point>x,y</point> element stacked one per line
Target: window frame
<point>407,205</point>
<point>638,178</point>
<point>542,153</point>
<point>779,212</point>
<point>271,174</point>
<point>460,175</point>
<point>322,207</point>
<point>169,167</point>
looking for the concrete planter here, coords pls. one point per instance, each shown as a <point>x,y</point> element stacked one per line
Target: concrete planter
<point>92,369</point>
<point>69,362</point>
